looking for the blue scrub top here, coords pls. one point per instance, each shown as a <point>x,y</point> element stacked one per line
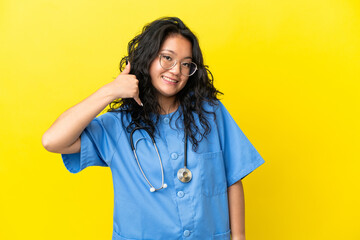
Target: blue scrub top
<point>194,210</point>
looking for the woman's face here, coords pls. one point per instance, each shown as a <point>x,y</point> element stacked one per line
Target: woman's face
<point>169,82</point>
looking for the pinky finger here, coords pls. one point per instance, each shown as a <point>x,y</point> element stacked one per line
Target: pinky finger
<point>138,101</point>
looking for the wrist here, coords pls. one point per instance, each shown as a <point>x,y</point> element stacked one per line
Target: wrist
<point>107,93</point>
<point>238,237</point>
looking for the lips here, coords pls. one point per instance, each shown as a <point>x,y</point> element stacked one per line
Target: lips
<point>169,80</point>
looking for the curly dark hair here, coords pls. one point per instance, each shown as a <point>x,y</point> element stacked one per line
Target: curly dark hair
<point>142,50</point>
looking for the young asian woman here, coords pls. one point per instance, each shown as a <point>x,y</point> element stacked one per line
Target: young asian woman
<point>176,155</point>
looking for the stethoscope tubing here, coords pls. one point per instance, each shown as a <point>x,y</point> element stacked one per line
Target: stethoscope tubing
<point>184,174</point>
<point>152,188</point>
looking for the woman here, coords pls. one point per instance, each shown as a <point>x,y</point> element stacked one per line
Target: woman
<point>163,101</point>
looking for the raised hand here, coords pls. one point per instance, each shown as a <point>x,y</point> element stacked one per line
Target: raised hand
<point>126,85</point>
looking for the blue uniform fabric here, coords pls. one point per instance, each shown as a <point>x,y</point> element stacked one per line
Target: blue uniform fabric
<point>194,210</point>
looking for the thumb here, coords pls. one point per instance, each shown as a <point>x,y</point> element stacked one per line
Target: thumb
<point>126,69</point>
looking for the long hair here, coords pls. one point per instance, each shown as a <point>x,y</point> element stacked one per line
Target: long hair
<point>142,50</point>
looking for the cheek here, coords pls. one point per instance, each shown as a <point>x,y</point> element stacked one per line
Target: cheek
<point>155,70</point>
<point>185,80</point>
<point>151,69</point>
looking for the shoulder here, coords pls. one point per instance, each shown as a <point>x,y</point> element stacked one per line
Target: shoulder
<point>214,106</point>
<point>209,105</point>
<point>218,112</point>
<point>109,116</point>
<point>117,113</point>
<point>113,119</point>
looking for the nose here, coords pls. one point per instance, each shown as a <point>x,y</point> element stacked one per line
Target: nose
<point>176,69</point>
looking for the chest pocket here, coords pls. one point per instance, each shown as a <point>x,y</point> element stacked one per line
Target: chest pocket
<point>213,174</point>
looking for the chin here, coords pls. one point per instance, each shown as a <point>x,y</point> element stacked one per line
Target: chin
<point>166,94</point>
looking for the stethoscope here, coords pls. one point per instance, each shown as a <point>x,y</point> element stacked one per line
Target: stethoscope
<point>184,174</point>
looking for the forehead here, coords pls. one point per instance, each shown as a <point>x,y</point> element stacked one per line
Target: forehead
<point>178,45</point>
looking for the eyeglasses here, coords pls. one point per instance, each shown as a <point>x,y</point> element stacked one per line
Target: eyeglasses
<point>187,67</point>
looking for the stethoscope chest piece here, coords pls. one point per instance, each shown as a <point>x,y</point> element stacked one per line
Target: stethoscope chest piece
<point>184,175</point>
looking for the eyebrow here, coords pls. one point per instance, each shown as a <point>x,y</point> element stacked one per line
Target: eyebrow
<point>174,53</point>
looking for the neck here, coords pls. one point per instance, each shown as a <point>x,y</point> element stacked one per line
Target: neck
<point>168,106</point>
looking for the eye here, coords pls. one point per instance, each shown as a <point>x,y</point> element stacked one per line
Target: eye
<point>186,64</point>
<point>167,57</point>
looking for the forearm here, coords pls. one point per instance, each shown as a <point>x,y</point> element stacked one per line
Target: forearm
<point>69,125</point>
<point>237,211</point>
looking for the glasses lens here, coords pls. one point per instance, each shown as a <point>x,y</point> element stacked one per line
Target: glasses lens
<point>167,61</point>
<point>188,68</point>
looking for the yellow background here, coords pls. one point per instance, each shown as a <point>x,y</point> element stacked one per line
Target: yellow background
<point>290,74</point>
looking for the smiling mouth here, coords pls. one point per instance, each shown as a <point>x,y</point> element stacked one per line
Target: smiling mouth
<point>169,79</point>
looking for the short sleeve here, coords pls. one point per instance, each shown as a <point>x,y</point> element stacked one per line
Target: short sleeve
<point>240,156</point>
<point>97,145</point>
